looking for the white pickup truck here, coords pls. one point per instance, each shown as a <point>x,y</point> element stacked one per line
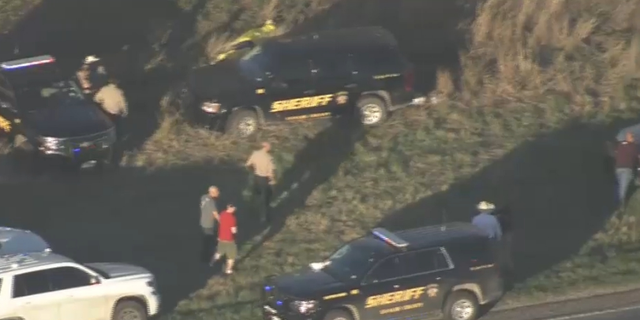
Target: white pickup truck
<point>38,284</point>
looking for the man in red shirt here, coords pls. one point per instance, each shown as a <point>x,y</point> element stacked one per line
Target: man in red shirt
<point>226,238</point>
<point>626,161</point>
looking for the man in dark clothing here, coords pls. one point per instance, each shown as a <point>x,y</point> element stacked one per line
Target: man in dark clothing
<point>208,217</point>
<point>506,224</point>
<point>626,161</point>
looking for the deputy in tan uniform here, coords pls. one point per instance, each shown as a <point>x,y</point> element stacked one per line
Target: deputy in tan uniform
<point>90,74</point>
<point>114,103</point>
<point>263,168</point>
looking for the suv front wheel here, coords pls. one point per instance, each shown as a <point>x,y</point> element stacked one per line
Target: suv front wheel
<point>338,315</point>
<point>461,306</point>
<point>129,310</point>
<point>371,110</point>
<point>242,123</point>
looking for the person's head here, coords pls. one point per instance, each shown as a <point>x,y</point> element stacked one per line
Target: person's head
<point>485,207</point>
<point>214,192</point>
<point>629,137</point>
<point>231,208</point>
<point>266,146</point>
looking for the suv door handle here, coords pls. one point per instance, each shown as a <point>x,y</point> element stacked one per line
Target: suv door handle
<point>395,286</point>
<point>351,85</point>
<point>309,91</point>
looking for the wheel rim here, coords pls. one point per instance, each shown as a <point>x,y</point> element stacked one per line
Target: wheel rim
<point>371,113</point>
<point>246,126</point>
<point>462,310</point>
<point>130,314</point>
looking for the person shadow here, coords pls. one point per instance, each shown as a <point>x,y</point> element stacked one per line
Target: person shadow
<point>314,165</point>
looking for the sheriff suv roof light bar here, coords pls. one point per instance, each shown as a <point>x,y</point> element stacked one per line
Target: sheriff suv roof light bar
<point>27,62</point>
<point>389,237</point>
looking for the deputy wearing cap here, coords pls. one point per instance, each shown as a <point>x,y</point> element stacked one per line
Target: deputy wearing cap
<point>263,168</point>
<point>91,74</point>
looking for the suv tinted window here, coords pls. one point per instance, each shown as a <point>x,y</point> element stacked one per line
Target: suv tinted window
<point>386,60</point>
<point>387,269</point>
<point>332,66</point>
<point>424,261</point>
<point>292,69</point>
<point>31,283</point>
<point>68,277</point>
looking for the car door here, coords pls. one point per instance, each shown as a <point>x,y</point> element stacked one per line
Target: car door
<point>33,297</point>
<point>384,291</point>
<point>85,299</point>
<point>290,93</point>
<point>430,270</point>
<point>333,74</point>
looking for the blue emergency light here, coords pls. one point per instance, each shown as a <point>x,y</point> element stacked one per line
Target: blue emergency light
<point>27,62</point>
<point>388,237</point>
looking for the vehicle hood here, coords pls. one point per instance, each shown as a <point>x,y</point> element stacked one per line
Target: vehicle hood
<point>308,284</point>
<point>68,121</point>
<point>119,270</point>
<point>222,81</point>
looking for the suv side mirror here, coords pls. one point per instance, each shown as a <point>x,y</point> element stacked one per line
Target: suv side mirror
<point>94,280</point>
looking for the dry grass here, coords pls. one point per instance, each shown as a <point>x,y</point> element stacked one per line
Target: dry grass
<point>532,67</point>
<point>541,63</point>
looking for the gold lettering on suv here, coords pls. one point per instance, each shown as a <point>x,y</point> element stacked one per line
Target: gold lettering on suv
<point>5,125</point>
<point>301,103</point>
<point>394,297</point>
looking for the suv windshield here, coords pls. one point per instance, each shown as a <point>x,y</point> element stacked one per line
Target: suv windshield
<point>254,63</point>
<point>48,95</point>
<point>350,263</point>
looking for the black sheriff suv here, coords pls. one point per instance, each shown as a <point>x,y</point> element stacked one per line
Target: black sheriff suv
<point>44,112</point>
<point>445,270</point>
<point>357,71</point>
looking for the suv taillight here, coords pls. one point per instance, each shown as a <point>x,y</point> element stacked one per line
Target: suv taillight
<point>409,79</point>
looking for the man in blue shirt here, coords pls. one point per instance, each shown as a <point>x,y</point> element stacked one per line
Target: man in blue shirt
<point>487,222</point>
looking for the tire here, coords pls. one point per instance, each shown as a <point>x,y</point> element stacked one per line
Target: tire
<point>127,310</point>
<point>242,123</point>
<point>371,111</point>
<point>461,299</point>
<point>338,315</point>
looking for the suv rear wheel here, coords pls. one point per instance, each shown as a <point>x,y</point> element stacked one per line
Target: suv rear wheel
<point>461,306</point>
<point>242,123</point>
<point>129,310</point>
<point>371,110</point>
<point>338,315</point>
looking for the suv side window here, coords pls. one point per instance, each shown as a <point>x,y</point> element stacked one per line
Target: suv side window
<point>388,268</point>
<point>423,261</point>
<point>293,69</point>
<point>381,61</point>
<point>31,283</point>
<point>332,66</point>
<point>68,277</point>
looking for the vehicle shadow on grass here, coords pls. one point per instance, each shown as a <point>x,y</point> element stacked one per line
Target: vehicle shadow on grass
<point>559,187</point>
<point>145,218</point>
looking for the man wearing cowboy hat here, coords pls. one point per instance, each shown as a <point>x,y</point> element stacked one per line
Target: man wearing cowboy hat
<point>91,73</point>
<point>486,221</point>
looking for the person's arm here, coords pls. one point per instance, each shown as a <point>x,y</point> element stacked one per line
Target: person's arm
<point>250,160</point>
<point>272,172</point>
<point>98,97</point>
<point>234,229</point>
<point>215,213</point>
<point>498,229</point>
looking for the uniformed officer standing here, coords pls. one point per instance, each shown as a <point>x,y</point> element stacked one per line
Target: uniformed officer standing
<point>263,168</point>
<point>208,217</point>
<point>114,103</point>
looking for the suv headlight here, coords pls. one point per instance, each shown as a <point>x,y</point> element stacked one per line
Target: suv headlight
<point>51,143</point>
<point>210,107</point>
<point>304,307</point>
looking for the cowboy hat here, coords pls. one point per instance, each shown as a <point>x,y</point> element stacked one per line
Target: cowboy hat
<point>90,59</point>
<point>486,206</point>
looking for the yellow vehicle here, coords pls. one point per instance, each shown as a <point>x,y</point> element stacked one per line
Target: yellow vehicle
<point>247,40</point>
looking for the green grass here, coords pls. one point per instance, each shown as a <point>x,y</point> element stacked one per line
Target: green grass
<point>502,134</point>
